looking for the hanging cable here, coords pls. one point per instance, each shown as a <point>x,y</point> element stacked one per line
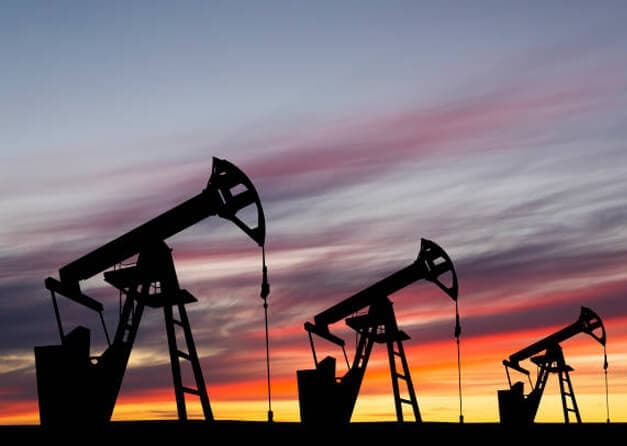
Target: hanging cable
<point>265,291</point>
<point>104,327</point>
<point>458,331</point>
<point>607,396</point>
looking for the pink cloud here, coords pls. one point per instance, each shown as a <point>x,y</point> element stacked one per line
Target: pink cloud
<point>356,148</point>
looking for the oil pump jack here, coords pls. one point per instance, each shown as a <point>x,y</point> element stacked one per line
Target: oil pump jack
<point>516,408</point>
<point>74,387</point>
<point>329,400</point>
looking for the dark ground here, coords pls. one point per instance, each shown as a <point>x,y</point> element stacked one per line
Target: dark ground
<point>379,433</point>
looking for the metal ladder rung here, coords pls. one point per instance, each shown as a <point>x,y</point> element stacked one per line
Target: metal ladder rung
<point>190,390</point>
<point>183,355</point>
<point>410,397</point>
<point>568,396</point>
<point>177,355</point>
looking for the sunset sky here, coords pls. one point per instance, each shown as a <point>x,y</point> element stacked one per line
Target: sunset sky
<point>496,129</point>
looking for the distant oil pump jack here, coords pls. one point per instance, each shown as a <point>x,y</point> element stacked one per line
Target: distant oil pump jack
<point>75,387</point>
<point>327,399</point>
<point>518,408</point>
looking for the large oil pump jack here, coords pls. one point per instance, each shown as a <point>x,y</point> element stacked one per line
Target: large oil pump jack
<point>329,400</point>
<point>74,387</point>
<point>516,408</point>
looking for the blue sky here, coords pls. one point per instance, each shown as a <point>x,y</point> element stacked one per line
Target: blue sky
<point>496,129</point>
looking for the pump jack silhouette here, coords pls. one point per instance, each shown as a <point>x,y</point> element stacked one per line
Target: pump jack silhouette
<point>329,400</point>
<point>516,408</point>
<point>74,387</point>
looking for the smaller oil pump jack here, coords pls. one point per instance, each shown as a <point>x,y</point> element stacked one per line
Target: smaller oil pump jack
<point>329,400</point>
<point>77,388</point>
<point>518,409</point>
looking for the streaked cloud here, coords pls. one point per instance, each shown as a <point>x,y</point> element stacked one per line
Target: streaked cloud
<point>520,178</point>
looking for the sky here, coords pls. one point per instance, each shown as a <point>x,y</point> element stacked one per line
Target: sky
<point>495,129</point>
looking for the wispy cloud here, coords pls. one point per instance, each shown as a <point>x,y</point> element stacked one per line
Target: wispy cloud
<point>533,221</point>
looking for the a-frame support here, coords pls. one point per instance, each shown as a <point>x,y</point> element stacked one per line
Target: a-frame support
<point>379,325</point>
<point>152,282</point>
<point>553,362</point>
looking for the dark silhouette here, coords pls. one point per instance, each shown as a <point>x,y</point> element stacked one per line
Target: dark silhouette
<point>326,400</point>
<point>74,388</point>
<point>517,409</point>
<point>77,392</point>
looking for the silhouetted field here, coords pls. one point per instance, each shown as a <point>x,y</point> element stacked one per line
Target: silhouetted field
<point>224,432</point>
